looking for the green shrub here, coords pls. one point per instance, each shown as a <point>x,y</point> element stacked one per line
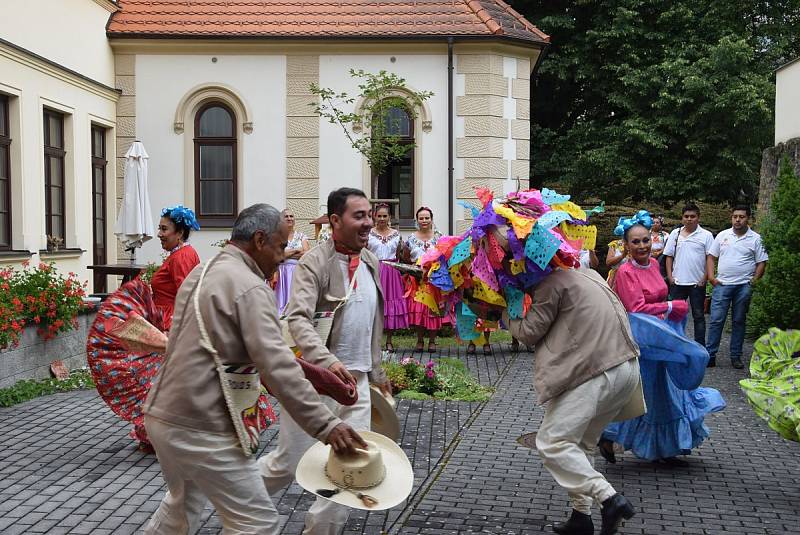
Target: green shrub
<point>776,297</point>
<point>447,379</point>
<point>29,389</point>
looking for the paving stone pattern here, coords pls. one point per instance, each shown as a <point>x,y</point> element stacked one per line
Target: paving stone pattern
<point>67,466</point>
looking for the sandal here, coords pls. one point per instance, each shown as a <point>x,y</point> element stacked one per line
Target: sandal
<point>471,349</point>
<point>420,347</point>
<point>431,347</point>
<point>487,349</point>
<point>606,448</point>
<point>390,347</point>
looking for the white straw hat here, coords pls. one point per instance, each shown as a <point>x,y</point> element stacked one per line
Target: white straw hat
<point>384,417</point>
<point>379,478</point>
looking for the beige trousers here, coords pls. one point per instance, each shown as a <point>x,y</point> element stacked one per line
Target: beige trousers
<point>278,467</point>
<point>199,465</point>
<point>572,425</point>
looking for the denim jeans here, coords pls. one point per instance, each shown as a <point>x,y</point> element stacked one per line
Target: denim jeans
<point>723,297</point>
<point>697,298</point>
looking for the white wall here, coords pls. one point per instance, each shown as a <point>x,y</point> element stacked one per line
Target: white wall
<point>71,33</point>
<point>787,103</point>
<point>162,81</point>
<point>31,90</point>
<point>340,165</point>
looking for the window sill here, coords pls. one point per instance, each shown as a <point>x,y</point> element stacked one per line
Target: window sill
<point>12,255</point>
<point>61,253</point>
<point>217,224</point>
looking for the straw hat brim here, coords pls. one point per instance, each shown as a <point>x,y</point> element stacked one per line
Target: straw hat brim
<point>384,417</point>
<point>394,488</point>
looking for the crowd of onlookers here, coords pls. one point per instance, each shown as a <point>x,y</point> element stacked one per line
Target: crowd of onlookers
<point>692,261</point>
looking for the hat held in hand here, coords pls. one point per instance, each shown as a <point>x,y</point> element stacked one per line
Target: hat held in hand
<point>384,417</point>
<point>376,478</point>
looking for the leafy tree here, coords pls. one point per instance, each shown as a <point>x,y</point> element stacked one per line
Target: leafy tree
<point>658,101</point>
<point>372,131</point>
<point>776,297</point>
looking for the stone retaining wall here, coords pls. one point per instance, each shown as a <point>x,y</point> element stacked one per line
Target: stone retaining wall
<point>32,357</point>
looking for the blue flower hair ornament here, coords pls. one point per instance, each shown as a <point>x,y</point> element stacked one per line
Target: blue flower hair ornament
<point>182,216</point>
<point>642,217</point>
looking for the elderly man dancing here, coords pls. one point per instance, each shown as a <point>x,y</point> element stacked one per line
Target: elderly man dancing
<point>587,371</point>
<point>186,415</point>
<point>340,275</point>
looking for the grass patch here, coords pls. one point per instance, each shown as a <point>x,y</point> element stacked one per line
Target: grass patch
<point>407,339</point>
<point>446,379</point>
<point>28,389</point>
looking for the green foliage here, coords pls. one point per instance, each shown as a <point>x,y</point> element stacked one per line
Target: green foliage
<point>776,297</point>
<point>372,132</point>
<point>446,379</point>
<point>147,273</point>
<point>29,389</point>
<point>659,101</point>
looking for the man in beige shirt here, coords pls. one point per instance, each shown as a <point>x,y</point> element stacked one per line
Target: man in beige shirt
<point>587,371</point>
<point>322,280</point>
<point>185,413</point>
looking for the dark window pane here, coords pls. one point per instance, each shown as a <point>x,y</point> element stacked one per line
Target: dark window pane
<point>54,131</point>
<point>4,231</point>
<point>216,122</point>
<point>98,148</point>
<point>56,226</point>
<point>216,161</point>
<point>3,161</point>
<point>216,197</point>
<point>55,201</point>
<point>55,172</point>
<point>397,122</point>
<point>99,183</point>
<point>3,115</point>
<point>4,195</point>
<point>98,232</point>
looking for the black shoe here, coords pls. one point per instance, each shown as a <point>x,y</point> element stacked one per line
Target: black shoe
<point>577,524</point>
<point>712,362</point>
<point>737,363</point>
<point>606,448</point>
<point>614,510</point>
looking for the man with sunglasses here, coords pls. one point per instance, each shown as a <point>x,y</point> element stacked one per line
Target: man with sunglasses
<point>686,252</point>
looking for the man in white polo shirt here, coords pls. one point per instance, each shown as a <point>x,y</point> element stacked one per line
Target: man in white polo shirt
<point>686,252</point>
<point>742,260</point>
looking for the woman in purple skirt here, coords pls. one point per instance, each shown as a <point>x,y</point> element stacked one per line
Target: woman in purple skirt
<point>385,242</point>
<point>295,248</point>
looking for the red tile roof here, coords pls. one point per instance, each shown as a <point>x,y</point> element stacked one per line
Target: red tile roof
<point>321,19</point>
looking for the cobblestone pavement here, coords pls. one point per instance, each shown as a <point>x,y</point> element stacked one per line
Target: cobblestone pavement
<point>67,466</point>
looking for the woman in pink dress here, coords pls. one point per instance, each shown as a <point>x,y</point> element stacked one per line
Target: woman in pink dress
<point>419,315</point>
<point>671,365</point>
<point>386,243</point>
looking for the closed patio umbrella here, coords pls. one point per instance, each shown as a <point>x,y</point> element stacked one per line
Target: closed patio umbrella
<point>135,222</point>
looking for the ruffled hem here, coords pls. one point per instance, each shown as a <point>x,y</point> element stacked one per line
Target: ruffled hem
<point>650,440</point>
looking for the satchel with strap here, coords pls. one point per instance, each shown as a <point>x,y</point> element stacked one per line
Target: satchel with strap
<point>241,386</point>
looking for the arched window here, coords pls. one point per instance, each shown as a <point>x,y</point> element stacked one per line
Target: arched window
<point>397,179</point>
<point>215,164</point>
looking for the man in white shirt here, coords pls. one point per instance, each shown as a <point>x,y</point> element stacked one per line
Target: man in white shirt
<point>742,260</point>
<point>340,275</point>
<point>686,252</point>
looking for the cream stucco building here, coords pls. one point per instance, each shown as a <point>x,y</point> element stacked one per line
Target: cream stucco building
<point>58,108</point>
<point>219,96</point>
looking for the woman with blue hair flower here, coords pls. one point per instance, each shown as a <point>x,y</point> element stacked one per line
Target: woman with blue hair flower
<point>672,366</point>
<point>177,222</point>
